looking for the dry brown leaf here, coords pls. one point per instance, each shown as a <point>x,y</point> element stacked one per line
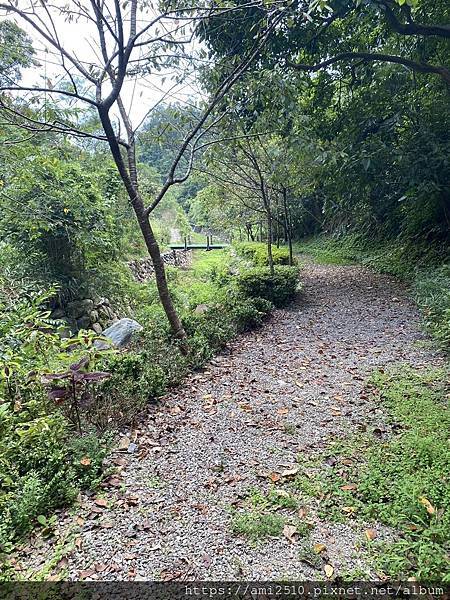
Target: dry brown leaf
<point>350,510</point>
<point>86,574</point>
<point>290,472</point>
<point>329,570</point>
<point>274,477</point>
<point>101,502</point>
<point>85,461</point>
<point>430,508</point>
<point>318,548</point>
<point>348,487</point>
<point>371,534</point>
<point>289,532</point>
<point>124,443</point>
<point>79,521</point>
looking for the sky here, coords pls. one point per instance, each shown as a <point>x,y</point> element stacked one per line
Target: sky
<point>139,95</point>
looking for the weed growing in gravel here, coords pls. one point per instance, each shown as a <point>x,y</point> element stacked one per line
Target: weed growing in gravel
<point>258,519</point>
<point>274,499</point>
<point>255,525</point>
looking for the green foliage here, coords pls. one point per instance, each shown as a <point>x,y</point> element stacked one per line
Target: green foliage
<point>432,292</point>
<point>62,218</point>
<point>278,288</point>
<point>15,51</point>
<point>254,525</point>
<point>138,376</point>
<point>258,254</point>
<point>402,481</point>
<point>40,468</point>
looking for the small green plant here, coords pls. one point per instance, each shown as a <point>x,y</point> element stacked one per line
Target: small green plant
<point>402,481</point>
<point>255,525</point>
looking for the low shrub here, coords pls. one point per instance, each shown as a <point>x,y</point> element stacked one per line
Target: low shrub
<point>278,288</point>
<point>41,466</point>
<point>258,253</point>
<point>432,293</point>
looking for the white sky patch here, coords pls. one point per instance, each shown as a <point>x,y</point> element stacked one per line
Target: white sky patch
<point>80,38</point>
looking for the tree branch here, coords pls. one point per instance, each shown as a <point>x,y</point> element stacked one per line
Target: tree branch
<point>374,57</point>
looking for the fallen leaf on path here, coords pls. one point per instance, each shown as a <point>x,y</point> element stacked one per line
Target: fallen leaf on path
<point>106,524</point>
<point>348,487</point>
<point>85,461</point>
<point>124,443</point>
<point>371,534</point>
<point>289,532</point>
<point>290,472</point>
<point>101,502</point>
<point>318,548</point>
<point>86,574</point>
<point>329,570</point>
<point>350,510</point>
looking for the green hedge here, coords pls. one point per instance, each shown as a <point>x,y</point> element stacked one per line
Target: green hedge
<point>279,287</point>
<point>257,253</point>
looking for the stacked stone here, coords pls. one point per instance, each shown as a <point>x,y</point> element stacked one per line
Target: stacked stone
<point>86,314</point>
<point>143,269</point>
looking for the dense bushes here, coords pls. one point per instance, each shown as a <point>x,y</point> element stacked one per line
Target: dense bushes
<point>42,464</point>
<point>278,288</point>
<point>257,253</point>
<point>432,292</point>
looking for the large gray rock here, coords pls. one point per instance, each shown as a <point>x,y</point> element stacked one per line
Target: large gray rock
<point>119,334</point>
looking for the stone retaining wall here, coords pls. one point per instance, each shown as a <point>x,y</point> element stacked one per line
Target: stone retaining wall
<point>143,269</point>
<point>86,314</point>
<point>98,314</point>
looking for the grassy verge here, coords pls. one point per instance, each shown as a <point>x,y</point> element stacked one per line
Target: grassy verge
<point>401,481</point>
<point>425,267</point>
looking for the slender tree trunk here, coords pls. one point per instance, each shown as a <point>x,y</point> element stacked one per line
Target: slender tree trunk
<point>269,241</point>
<point>160,275</point>
<point>129,178</point>
<point>287,227</point>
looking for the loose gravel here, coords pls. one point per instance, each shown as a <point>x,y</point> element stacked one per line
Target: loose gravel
<point>285,390</point>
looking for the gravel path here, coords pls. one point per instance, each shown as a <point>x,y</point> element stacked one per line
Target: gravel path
<point>277,393</point>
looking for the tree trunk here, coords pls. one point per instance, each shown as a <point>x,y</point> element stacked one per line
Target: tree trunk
<point>287,227</point>
<point>269,242</point>
<point>160,276</point>
<point>129,179</point>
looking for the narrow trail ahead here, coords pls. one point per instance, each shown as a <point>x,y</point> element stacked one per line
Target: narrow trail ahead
<point>283,391</point>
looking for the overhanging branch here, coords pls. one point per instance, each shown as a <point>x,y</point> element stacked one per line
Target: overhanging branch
<point>374,57</point>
